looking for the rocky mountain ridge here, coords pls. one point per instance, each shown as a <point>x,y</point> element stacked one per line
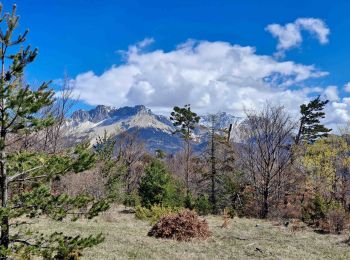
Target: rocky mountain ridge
<point>155,130</point>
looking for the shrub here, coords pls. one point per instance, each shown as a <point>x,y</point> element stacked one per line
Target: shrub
<point>87,182</point>
<point>289,210</point>
<point>157,187</point>
<point>231,212</point>
<point>154,213</point>
<point>337,220</point>
<point>323,225</point>
<point>189,201</point>
<point>202,205</point>
<point>314,210</point>
<point>290,207</point>
<point>142,213</point>
<point>182,226</point>
<point>175,195</point>
<point>249,205</point>
<point>330,216</point>
<point>132,199</point>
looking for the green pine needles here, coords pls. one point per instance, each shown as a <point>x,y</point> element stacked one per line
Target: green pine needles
<point>310,128</point>
<point>26,175</point>
<point>185,121</point>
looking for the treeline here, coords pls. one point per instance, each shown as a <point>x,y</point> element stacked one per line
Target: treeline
<point>268,165</point>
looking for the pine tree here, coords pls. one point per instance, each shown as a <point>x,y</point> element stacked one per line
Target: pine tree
<point>310,128</point>
<point>108,166</point>
<point>221,159</point>
<point>185,121</point>
<point>213,159</point>
<point>20,106</point>
<point>157,187</point>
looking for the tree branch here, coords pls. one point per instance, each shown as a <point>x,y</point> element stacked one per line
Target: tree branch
<point>31,178</point>
<point>14,177</point>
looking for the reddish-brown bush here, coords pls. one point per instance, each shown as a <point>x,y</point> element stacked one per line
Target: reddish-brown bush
<point>181,226</point>
<point>323,225</point>
<point>337,220</point>
<point>250,205</point>
<point>288,210</point>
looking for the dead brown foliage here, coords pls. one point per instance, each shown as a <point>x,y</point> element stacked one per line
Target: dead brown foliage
<point>88,182</point>
<point>181,226</point>
<point>337,221</point>
<point>225,218</point>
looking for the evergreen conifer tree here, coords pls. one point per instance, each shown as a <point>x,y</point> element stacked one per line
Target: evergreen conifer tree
<point>20,106</point>
<point>157,187</point>
<point>185,121</point>
<point>310,127</point>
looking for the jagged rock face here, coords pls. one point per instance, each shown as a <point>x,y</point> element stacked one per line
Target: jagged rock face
<point>125,112</point>
<point>94,115</point>
<point>81,116</point>
<point>155,130</point>
<point>100,113</point>
<point>223,120</point>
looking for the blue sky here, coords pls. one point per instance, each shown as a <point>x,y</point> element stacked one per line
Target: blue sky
<point>81,36</point>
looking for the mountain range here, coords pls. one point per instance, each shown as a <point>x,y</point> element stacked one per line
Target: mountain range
<point>155,130</point>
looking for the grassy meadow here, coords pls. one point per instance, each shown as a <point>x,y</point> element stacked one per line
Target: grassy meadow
<point>126,238</point>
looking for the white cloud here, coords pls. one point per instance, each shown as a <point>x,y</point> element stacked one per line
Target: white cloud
<point>338,110</point>
<point>346,100</point>
<point>331,93</point>
<point>316,27</point>
<point>289,35</point>
<point>338,113</point>
<point>145,42</point>
<point>211,76</point>
<point>347,87</point>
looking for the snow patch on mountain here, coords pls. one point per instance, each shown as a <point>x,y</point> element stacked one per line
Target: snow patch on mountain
<point>91,124</point>
<point>155,130</point>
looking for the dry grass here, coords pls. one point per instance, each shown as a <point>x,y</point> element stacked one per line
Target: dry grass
<point>126,238</point>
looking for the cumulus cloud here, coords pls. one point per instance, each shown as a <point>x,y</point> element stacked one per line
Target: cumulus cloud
<point>337,113</point>
<point>289,35</point>
<point>211,76</point>
<point>331,93</point>
<point>347,87</point>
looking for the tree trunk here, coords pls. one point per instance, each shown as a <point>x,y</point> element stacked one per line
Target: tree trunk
<point>298,137</point>
<point>187,167</point>
<point>128,182</point>
<point>4,238</point>
<point>265,205</point>
<point>213,174</point>
<point>213,196</point>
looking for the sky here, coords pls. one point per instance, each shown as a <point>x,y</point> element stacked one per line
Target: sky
<point>216,55</point>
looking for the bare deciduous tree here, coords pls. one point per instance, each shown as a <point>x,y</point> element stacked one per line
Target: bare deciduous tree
<point>130,151</point>
<point>53,138</point>
<point>50,138</point>
<point>265,153</point>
